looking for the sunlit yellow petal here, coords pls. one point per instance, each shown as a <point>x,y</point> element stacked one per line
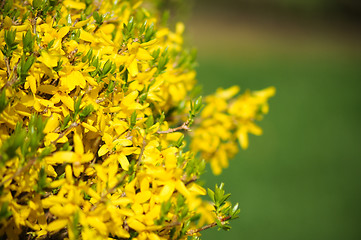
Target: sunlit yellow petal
<point>32,82</point>
<point>143,54</point>
<point>74,4</point>
<point>78,144</point>
<point>60,211</point>
<point>123,161</point>
<point>243,138</point>
<point>52,123</point>
<point>142,197</point>
<point>130,98</point>
<point>167,191</point>
<point>133,68</point>
<point>96,223</point>
<point>84,35</point>
<point>103,150</point>
<point>182,188</point>
<point>89,127</point>
<point>63,31</point>
<point>49,60</point>
<point>56,225</point>
<point>135,224</point>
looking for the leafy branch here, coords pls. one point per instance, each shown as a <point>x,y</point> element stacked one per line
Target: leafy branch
<point>224,211</point>
<point>222,221</point>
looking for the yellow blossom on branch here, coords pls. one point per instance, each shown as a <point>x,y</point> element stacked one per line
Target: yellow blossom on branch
<point>94,109</point>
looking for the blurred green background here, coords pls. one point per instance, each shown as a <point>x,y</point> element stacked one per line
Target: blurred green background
<point>301,179</point>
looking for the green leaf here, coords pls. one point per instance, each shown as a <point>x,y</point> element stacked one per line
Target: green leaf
<point>59,66</point>
<point>149,33</point>
<point>28,42</point>
<point>75,224</point>
<point>46,152</point>
<point>180,201</point>
<point>8,149</point>
<point>65,122</point>
<point>211,194</point>
<point>86,112</point>
<point>35,134</point>
<point>88,56</point>
<point>198,104</point>
<point>7,7</point>
<point>185,227</point>
<point>9,36</point>
<point>224,198</point>
<point>107,67</point>
<point>219,224</point>
<point>77,103</point>
<point>142,28</point>
<point>50,44</point>
<point>4,212</point>
<point>130,25</point>
<point>37,4</point>
<point>165,208</point>
<point>23,68</point>
<point>133,120</point>
<point>180,141</point>
<point>29,62</point>
<point>155,53</point>
<point>11,45</point>
<point>234,212</point>
<point>111,86</point>
<point>162,62</point>
<point>3,100</point>
<point>149,122</point>
<point>161,118</point>
<point>98,18</point>
<point>41,184</point>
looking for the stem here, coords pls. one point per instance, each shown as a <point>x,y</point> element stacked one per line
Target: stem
<point>205,227</point>
<point>73,125</point>
<point>12,80</point>
<point>34,25</point>
<point>7,66</point>
<point>184,126</point>
<point>193,179</point>
<point>142,150</point>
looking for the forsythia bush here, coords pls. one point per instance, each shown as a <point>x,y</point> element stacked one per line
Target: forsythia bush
<point>95,101</point>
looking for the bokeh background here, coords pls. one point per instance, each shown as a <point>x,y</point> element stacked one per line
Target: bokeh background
<point>301,179</point>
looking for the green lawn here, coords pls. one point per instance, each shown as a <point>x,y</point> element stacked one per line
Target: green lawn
<point>301,179</point>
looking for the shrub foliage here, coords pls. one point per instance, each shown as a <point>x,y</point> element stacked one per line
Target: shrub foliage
<point>95,101</point>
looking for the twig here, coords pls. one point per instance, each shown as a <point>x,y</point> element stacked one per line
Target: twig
<point>99,100</point>
<point>142,150</point>
<point>111,20</point>
<point>184,126</point>
<point>75,22</point>
<point>71,55</point>
<point>73,125</point>
<point>205,227</point>
<point>34,24</point>
<point>11,79</point>
<point>34,29</point>
<point>172,224</point>
<point>7,66</point>
<point>193,179</point>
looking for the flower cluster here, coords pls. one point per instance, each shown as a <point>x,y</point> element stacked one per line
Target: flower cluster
<point>226,119</point>
<point>94,104</point>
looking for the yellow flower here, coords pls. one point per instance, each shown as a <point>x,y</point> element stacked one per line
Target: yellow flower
<point>93,119</point>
